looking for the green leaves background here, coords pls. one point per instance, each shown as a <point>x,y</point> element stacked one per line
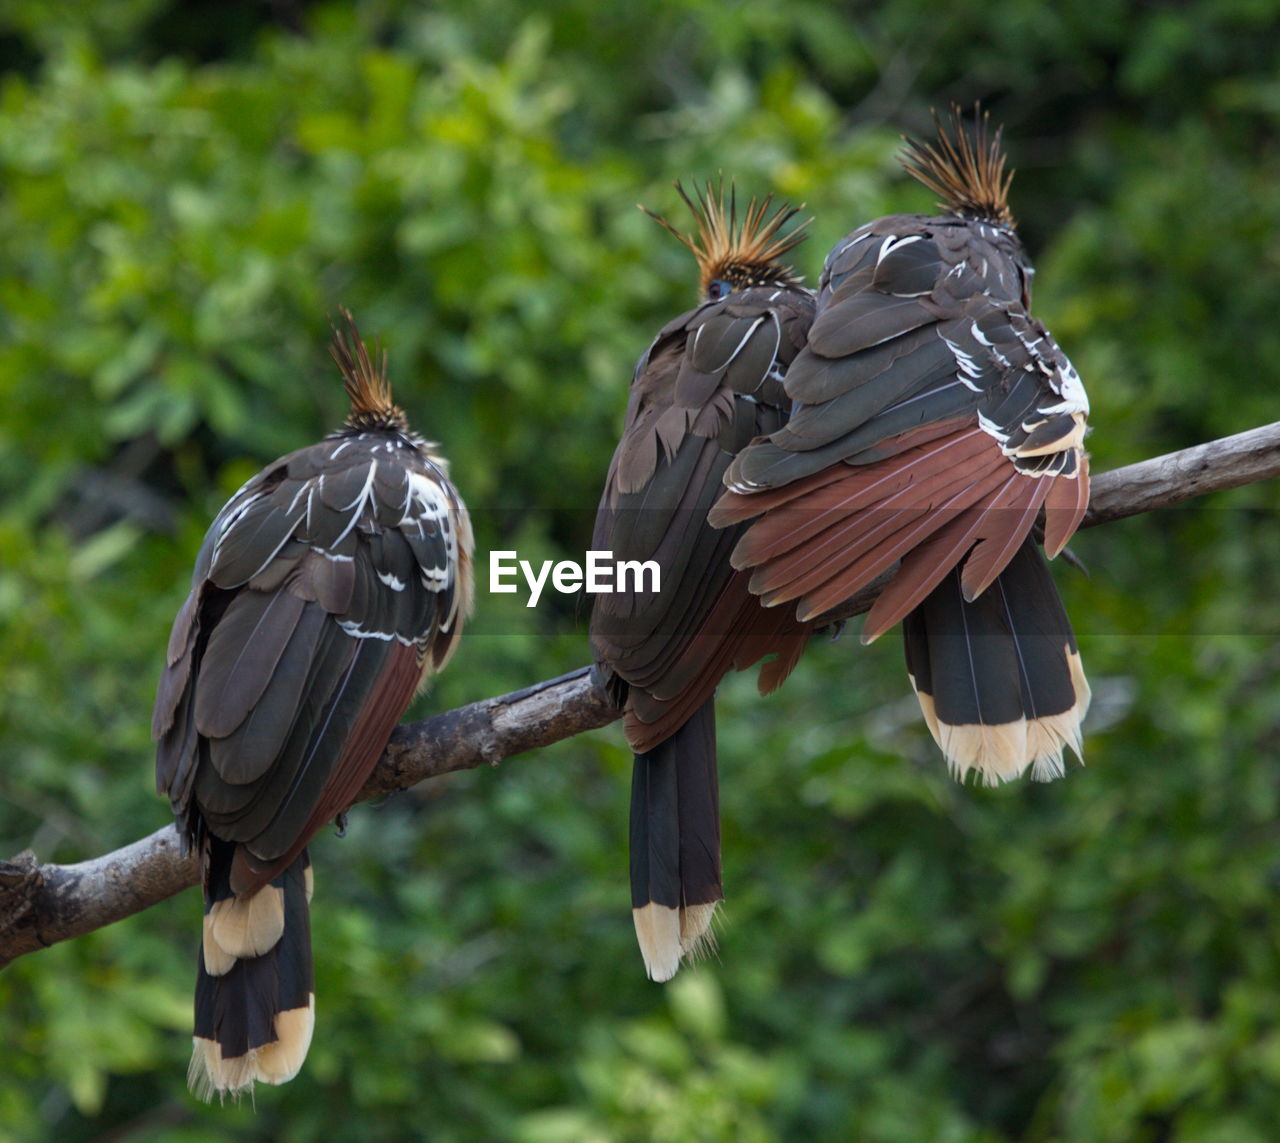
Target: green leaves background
<point>188,191</point>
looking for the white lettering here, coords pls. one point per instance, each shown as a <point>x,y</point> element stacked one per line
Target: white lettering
<point>600,575</point>
<point>567,577</point>
<point>637,570</point>
<point>498,568</point>
<point>535,585</point>
<point>599,572</point>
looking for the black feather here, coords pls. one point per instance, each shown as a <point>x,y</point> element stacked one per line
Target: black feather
<point>872,381</point>
<point>241,656</point>
<point>675,819</point>
<point>255,745</point>
<point>999,658</point>
<point>864,320</point>
<point>908,269</point>
<point>237,1010</point>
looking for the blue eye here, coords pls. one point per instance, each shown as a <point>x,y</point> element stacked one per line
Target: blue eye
<point>718,289</point>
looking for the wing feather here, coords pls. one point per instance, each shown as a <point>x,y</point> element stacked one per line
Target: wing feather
<point>689,411</point>
<point>322,591</point>
<point>253,747</point>
<point>921,328</point>
<point>241,656</point>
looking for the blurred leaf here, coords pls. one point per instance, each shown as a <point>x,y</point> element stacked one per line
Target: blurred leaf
<point>189,196</point>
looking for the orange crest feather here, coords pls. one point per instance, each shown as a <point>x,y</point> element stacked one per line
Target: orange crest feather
<point>364,377</point>
<point>966,167</point>
<point>742,253</point>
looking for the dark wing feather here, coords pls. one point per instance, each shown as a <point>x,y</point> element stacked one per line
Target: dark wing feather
<point>395,674</point>
<point>245,753</point>
<point>176,746</point>
<point>241,657</point>
<point>181,647</point>
<point>689,411</point>
<point>242,812</point>
<point>864,321</point>
<point>937,420</point>
<point>907,268</point>
<point>325,589</point>
<point>898,348</point>
<point>333,751</point>
<point>840,394</point>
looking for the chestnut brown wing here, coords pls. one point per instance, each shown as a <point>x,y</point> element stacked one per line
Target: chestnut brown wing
<point>936,419</point>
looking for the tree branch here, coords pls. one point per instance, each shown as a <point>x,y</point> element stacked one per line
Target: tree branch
<point>1164,481</point>
<point>41,905</point>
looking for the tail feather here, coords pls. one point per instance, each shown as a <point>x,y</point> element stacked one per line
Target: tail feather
<point>675,845</point>
<point>999,679</point>
<point>255,992</point>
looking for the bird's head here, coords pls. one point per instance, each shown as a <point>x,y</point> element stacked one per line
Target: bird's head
<point>734,253</point>
<point>365,380</point>
<point>965,166</point>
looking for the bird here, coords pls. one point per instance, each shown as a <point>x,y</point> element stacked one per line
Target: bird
<point>710,382</point>
<point>327,591</point>
<point>936,429</point>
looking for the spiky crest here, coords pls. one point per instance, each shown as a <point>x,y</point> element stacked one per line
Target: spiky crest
<point>742,253</point>
<point>965,166</point>
<point>364,380</point>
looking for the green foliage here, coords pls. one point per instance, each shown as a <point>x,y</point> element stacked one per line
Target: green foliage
<point>187,198</point>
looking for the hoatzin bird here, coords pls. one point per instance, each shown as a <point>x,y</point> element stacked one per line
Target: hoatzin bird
<point>710,382</point>
<point>934,421</point>
<point>327,590</point>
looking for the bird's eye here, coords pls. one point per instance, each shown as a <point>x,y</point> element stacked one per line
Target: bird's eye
<point>718,289</point>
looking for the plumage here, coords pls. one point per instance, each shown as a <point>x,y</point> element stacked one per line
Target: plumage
<point>254,1015</point>
<point>999,678</point>
<point>710,383</point>
<point>939,421</point>
<point>242,927</point>
<point>326,592</point>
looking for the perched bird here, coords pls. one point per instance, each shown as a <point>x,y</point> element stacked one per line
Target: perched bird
<point>709,383</point>
<point>326,592</point>
<point>934,421</point>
